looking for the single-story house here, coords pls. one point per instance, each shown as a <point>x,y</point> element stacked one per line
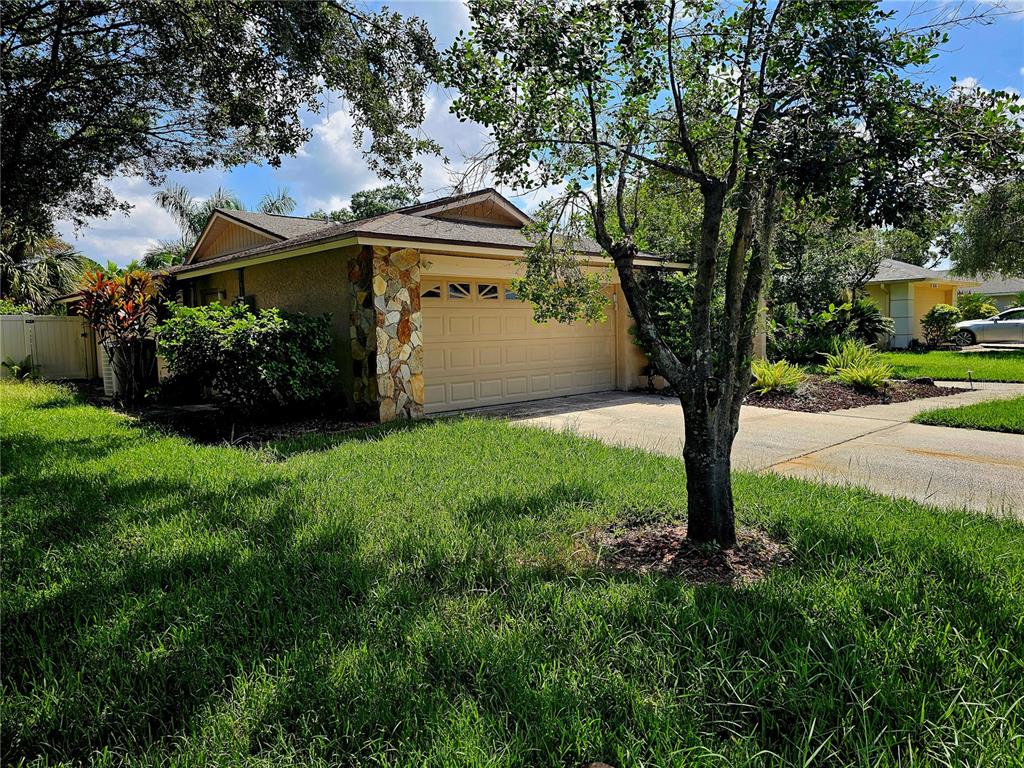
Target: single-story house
<point>424,317</point>
<point>905,292</point>
<point>1006,292</point>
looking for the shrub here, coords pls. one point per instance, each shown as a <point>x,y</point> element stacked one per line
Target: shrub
<point>1018,300</point>
<point>248,360</point>
<point>775,377</point>
<point>804,339</point>
<point>938,323</point>
<point>976,306</point>
<point>21,370</point>
<point>850,354</point>
<point>123,312</point>
<point>867,375</point>
<point>8,307</point>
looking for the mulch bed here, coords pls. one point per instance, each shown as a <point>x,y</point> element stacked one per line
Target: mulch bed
<point>209,425</point>
<point>654,547</point>
<point>819,394</point>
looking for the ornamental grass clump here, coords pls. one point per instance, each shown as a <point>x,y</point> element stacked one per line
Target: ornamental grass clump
<point>871,375</point>
<point>850,354</point>
<point>777,377</point>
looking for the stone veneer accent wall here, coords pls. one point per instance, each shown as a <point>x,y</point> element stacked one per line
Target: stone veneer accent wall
<point>362,321</point>
<point>399,332</point>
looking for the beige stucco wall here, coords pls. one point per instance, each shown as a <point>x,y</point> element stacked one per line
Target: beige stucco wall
<point>926,297</point>
<point>313,284</point>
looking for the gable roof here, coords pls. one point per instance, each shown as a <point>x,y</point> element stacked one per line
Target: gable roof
<point>273,223</point>
<point>434,221</point>
<point>893,271</point>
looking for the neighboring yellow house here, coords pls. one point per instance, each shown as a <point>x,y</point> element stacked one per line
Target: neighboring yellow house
<point>905,292</point>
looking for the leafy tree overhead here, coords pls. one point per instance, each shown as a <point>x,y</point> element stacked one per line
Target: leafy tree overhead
<point>191,214</point>
<point>369,202</point>
<point>104,87</point>
<point>745,103</point>
<point>989,236</point>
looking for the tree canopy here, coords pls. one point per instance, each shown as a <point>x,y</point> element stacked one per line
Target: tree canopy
<point>989,236</point>
<point>369,202</point>
<point>104,87</point>
<point>748,104</point>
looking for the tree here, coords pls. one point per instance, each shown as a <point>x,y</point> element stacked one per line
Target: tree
<point>191,214</point>
<point>369,202</point>
<point>989,236</point>
<point>105,87</point>
<point>976,306</point>
<point>38,271</point>
<point>745,103</point>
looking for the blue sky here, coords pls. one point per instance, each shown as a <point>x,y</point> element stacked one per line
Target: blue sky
<point>329,168</point>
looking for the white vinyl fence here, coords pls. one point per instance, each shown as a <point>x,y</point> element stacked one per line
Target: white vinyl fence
<point>62,347</point>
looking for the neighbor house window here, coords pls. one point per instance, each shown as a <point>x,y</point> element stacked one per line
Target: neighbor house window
<point>487,291</point>
<point>432,291</point>
<point>458,290</point>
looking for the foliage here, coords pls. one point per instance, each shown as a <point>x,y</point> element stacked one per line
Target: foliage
<point>332,595</point>
<point>598,97</point>
<point>8,307</point>
<point>670,294</point>
<point>123,312</point>
<point>35,270</point>
<point>21,370</point>
<point>1019,300</point>
<point>956,366</point>
<point>989,237</point>
<point>803,339</point>
<point>992,415</point>
<point>250,360</point>
<point>975,306</point>
<point>113,87</point>
<point>848,354</point>
<point>938,323</point>
<point>869,375</point>
<point>369,202</point>
<point>192,213</point>
<point>780,376</point>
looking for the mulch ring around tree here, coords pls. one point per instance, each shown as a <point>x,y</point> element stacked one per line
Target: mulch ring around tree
<point>818,394</point>
<point>662,548</point>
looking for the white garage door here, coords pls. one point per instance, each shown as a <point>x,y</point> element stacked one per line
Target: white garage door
<point>481,346</point>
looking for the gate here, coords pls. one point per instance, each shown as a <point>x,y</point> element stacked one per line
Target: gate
<point>61,347</point>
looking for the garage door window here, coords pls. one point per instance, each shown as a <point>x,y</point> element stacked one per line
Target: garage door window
<point>487,291</point>
<point>431,291</point>
<point>458,290</point>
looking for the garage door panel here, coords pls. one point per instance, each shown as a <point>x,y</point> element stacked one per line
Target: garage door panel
<point>480,351</point>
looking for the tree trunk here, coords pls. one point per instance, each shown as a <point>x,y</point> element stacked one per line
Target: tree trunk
<point>707,455</point>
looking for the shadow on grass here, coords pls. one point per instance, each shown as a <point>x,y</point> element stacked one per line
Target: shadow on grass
<point>268,635</point>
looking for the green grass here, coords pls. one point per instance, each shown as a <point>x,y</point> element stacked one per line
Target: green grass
<point>953,366</point>
<point>413,597</point>
<point>993,415</point>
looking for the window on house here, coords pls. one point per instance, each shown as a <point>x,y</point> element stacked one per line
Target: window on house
<point>487,291</point>
<point>458,290</point>
<point>431,291</point>
<point>210,297</point>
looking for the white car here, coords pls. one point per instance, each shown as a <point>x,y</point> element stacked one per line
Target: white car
<point>1007,326</point>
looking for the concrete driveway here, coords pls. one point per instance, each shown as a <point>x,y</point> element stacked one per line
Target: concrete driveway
<point>874,446</point>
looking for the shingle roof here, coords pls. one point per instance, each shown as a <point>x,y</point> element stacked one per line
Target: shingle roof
<point>397,226</point>
<point>891,271</point>
<point>996,284</point>
<point>282,226</point>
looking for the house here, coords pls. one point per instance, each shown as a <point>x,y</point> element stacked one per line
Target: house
<point>1006,292</point>
<point>424,318</point>
<point>905,292</point>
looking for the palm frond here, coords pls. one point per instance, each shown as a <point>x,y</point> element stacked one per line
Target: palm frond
<point>280,202</point>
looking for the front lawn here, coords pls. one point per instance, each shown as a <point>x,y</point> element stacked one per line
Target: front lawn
<point>422,596</point>
<point>953,366</point>
<point>993,415</point>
